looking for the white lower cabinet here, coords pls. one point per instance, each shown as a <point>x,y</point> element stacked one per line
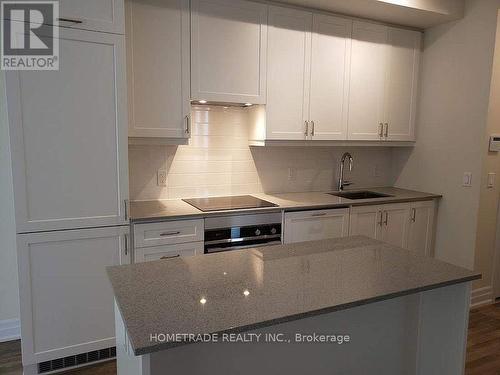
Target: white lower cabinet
<point>168,232</point>
<point>147,254</point>
<point>366,221</point>
<point>66,299</point>
<point>407,225</point>
<point>421,228</point>
<point>168,239</point>
<point>316,225</point>
<point>395,224</point>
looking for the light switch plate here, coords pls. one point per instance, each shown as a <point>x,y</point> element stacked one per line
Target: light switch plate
<point>467,179</point>
<point>491,180</point>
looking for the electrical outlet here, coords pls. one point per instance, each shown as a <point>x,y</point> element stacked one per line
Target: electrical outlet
<point>376,171</point>
<point>161,177</point>
<point>467,179</point>
<point>292,173</point>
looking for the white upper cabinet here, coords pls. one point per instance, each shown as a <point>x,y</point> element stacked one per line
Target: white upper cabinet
<point>330,61</point>
<point>68,133</point>
<point>401,83</point>
<point>228,51</point>
<point>94,15</point>
<point>384,80</point>
<point>157,40</point>
<point>366,97</point>
<point>289,65</point>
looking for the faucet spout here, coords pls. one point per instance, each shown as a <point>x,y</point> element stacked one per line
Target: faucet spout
<point>343,183</point>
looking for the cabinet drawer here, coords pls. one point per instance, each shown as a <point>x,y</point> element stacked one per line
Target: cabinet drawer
<point>148,254</point>
<point>168,232</point>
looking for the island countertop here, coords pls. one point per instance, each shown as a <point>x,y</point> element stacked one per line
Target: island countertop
<point>241,290</point>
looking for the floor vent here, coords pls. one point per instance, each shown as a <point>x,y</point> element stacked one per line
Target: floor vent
<point>76,360</point>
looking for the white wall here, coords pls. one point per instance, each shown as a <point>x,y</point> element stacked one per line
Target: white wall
<point>451,122</point>
<point>218,161</point>
<point>489,197</point>
<point>9,295</point>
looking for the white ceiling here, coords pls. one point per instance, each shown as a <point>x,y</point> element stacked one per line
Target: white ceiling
<point>416,13</point>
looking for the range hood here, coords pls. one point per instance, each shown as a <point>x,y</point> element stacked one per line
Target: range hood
<point>221,104</point>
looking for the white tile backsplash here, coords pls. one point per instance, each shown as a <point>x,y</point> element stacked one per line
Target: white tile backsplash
<point>218,161</point>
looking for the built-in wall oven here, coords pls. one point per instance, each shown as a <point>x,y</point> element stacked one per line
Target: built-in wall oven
<point>232,232</point>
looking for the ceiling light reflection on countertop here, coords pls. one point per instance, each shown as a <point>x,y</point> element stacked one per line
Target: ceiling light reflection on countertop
<point>203,300</point>
<point>246,293</point>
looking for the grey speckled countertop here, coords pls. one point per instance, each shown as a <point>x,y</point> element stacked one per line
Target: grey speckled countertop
<point>177,209</point>
<point>248,289</point>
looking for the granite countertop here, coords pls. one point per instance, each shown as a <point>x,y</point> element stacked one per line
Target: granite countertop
<point>177,209</point>
<point>242,290</point>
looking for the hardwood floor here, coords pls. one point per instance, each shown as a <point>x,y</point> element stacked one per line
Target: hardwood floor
<point>483,348</point>
<point>483,343</point>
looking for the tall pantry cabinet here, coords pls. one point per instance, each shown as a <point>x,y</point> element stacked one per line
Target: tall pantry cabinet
<point>68,131</point>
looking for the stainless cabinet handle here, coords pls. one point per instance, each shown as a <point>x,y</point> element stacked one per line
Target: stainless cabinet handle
<point>319,214</point>
<point>380,221</point>
<point>381,130</point>
<point>312,128</point>
<point>386,218</point>
<point>413,215</point>
<point>386,134</point>
<point>170,257</point>
<point>126,244</point>
<point>125,208</point>
<point>165,234</point>
<point>71,20</point>
<point>188,124</point>
<point>307,128</point>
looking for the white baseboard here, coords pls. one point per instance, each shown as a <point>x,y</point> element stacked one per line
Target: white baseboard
<point>481,296</point>
<point>10,329</point>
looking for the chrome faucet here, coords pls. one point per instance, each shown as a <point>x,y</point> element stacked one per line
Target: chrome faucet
<point>343,183</point>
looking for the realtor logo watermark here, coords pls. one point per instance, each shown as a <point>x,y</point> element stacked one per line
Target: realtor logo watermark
<point>30,41</point>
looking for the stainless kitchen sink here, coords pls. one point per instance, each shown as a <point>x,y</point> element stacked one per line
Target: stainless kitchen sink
<point>365,194</point>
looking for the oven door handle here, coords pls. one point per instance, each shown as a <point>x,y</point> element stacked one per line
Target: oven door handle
<point>217,249</point>
<point>243,239</point>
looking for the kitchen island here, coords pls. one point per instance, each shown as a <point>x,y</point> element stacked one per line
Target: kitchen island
<point>345,306</point>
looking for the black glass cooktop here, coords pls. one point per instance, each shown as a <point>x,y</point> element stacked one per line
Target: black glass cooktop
<point>228,203</point>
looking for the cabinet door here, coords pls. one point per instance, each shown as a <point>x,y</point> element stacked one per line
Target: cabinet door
<point>395,224</point>
<point>316,225</point>
<point>366,221</point>
<point>331,51</point>
<point>289,65</point>
<point>66,299</point>
<point>228,51</point>
<point>148,254</point>
<point>158,68</point>
<point>421,228</point>
<point>366,93</point>
<point>95,15</point>
<point>401,83</point>
<point>69,136</point>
